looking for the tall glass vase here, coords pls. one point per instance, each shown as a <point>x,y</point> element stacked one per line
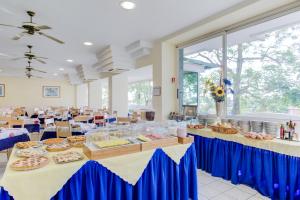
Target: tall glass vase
<point>219,110</point>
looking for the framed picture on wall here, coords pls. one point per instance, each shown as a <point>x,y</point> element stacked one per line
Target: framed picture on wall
<point>51,91</point>
<point>2,90</point>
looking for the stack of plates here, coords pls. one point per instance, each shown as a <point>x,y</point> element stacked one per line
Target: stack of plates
<point>271,128</point>
<point>245,126</point>
<point>257,126</point>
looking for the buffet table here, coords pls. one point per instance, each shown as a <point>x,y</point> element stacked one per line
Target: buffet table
<point>10,136</point>
<point>166,173</point>
<point>272,167</point>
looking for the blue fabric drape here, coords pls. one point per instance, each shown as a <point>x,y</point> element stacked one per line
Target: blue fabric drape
<point>272,174</point>
<point>162,179</point>
<point>10,142</point>
<point>52,134</point>
<point>32,128</point>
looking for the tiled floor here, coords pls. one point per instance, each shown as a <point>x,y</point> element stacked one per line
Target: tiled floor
<point>208,187</point>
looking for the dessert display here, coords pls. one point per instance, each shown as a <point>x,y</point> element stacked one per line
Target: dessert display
<point>28,144</point>
<point>30,163</point>
<point>58,147</point>
<point>154,136</point>
<point>258,136</point>
<point>30,152</point>
<point>53,141</point>
<point>198,126</point>
<point>67,157</point>
<point>111,143</point>
<point>143,138</point>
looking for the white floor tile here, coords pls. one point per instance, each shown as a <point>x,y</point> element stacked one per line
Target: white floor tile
<point>246,188</point>
<point>236,194</point>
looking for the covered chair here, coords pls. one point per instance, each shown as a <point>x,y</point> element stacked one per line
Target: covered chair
<point>63,129</point>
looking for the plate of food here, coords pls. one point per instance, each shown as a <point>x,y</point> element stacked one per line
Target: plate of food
<point>30,163</point>
<point>58,147</point>
<point>76,141</point>
<point>31,152</point>
<point>53,141</point>
<point>29,144</point>
<point>111,143</point>
<point>67,157</point>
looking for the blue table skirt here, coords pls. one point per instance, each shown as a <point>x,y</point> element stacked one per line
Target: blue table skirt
<point>162,179</point>
<point>10,142</point>
<point>52,134</point>
<point>32,128</point>
<point>272,174</point>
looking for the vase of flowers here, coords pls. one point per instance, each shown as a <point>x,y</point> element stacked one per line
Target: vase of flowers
<point>218,93</point>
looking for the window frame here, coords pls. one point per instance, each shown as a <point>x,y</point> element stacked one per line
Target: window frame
<point>223,32</point>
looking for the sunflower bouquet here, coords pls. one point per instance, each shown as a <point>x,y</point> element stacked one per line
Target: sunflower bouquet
<point>218,91</point>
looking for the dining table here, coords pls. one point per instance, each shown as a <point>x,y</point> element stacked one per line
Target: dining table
<point>10,136</point>
<point>167,173</point>
<point>272,167</point>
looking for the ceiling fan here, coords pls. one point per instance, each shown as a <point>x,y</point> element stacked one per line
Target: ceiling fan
<point>31,56</point>
<point>29,70</point>
<point>31,28</point>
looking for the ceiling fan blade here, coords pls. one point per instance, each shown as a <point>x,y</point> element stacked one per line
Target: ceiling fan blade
<point>38,70</point>
<point>52,38</point>
<point>41,57</point>
<point>18,36</point>
<point>44,27</point>
<point>8,25</point>
<point>18,58</point>
<point>39,60</point>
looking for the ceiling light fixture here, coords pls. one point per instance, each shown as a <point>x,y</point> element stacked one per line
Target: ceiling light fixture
<point>1,70</point>
<point>55,74</point>
<point>61,69</point>
<point>70,60</point>
<point>88,43</point>
<point>127,5</point>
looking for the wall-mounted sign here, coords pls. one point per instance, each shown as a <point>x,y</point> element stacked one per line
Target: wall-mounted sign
<point>2,90</point>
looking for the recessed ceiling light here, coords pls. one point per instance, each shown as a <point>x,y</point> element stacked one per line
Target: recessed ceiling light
<point>61,69</point>
<point>1,70</point>
<point>88,43</point>
<point>127,5</point>
<point>55,74</point>
<point>70,60</point>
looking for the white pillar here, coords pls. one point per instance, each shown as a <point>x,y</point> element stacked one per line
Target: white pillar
<point>95,94</point>
<point>119,94</point>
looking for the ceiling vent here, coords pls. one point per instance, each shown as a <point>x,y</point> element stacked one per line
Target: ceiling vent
<point>139,49</point>
<point>114,59</point>
<point>86,74</point>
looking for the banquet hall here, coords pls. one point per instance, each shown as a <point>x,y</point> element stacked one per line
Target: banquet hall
<point>150,99</point>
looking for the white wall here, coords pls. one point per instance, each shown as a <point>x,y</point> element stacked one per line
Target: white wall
<point>29,93</point>
<point>82,95</point>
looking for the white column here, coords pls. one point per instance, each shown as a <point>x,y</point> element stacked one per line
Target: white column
<point>119,94</point>
<point>95,96</point>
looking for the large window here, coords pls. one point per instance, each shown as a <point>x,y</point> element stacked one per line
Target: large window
<point>263,63</point>
<point>201,62</point>
<point>140,94</point>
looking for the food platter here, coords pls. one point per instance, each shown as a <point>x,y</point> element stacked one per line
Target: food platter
<point>30,163</point>
<point>67,157</point>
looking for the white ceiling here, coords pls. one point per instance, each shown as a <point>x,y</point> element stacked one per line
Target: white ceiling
<point>102,22</point>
